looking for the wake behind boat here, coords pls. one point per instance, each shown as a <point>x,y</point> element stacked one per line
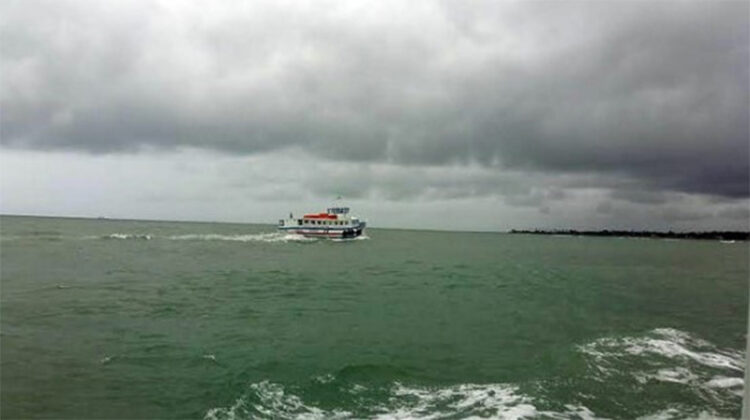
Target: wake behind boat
<point>334,223</point>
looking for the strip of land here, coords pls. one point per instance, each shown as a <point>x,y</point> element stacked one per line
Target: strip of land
<point>711,235</point>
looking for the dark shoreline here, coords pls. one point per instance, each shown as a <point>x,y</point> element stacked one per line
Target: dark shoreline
<point>710,235</point>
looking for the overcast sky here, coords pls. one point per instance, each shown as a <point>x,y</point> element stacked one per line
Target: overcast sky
<point>431,114</point>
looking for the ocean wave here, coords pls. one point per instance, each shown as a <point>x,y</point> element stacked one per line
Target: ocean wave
<point>358,238</point>
<point>139,236</point>
<point>493,400</point>
<point>271,237</point>
<point>272,400</point>
<point>669,343</point>
<point>640,363</point>
<point>674,413</point>
<point>667,355</point>
<point>43,236</point>
<point>257,237</point>
<point>269,400</point>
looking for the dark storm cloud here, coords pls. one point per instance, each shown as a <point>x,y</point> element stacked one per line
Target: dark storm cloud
<point>393,182</point>
<point>655,93</point>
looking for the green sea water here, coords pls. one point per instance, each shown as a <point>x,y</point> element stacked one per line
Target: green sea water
<point>133,319</point>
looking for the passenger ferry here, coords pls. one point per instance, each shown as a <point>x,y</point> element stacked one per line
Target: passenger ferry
<point>334,223</point>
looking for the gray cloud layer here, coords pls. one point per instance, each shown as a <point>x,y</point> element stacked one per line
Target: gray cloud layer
<point>201,185</point>
<point>657,93</point>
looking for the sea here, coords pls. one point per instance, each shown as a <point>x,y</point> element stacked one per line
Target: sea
<point>104,319</point>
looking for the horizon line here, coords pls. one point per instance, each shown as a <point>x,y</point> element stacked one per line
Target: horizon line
<point>508,231</point>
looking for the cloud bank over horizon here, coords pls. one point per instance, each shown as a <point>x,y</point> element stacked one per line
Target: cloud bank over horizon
<point>507,106</point>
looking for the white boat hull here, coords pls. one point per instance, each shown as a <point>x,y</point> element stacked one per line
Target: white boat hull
<point>326,232</point>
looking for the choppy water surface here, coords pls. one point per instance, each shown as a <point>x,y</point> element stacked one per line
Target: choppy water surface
<point>126,319</point>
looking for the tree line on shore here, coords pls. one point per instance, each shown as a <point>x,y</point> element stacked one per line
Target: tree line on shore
<point>712,235</point>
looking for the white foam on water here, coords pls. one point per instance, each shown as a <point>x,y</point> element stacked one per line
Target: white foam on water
<point>579,411</point>
<point>270,237</point>
<point>672,356</point>
<point>666,414</point>
<point>358,238</point>
<point>273,402</point>
<point>257,237</point>
<point>471,401</point>
<point>667,342</point>
<point>733,385</point>
<point>498,401</point>
<point>324,379</point>
<point>128,236</point>
<point>674,413</point>
<point>663,355</point>
<point>357,389</point>
<point>725,382</point>
<point>678,375</point>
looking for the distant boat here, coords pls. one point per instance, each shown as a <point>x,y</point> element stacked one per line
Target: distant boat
<point>335,223</point>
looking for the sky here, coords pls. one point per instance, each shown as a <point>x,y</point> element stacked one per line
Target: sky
<point>457,115</point>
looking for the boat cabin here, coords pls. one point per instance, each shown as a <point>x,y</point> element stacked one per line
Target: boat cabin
<point>338,210</point>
